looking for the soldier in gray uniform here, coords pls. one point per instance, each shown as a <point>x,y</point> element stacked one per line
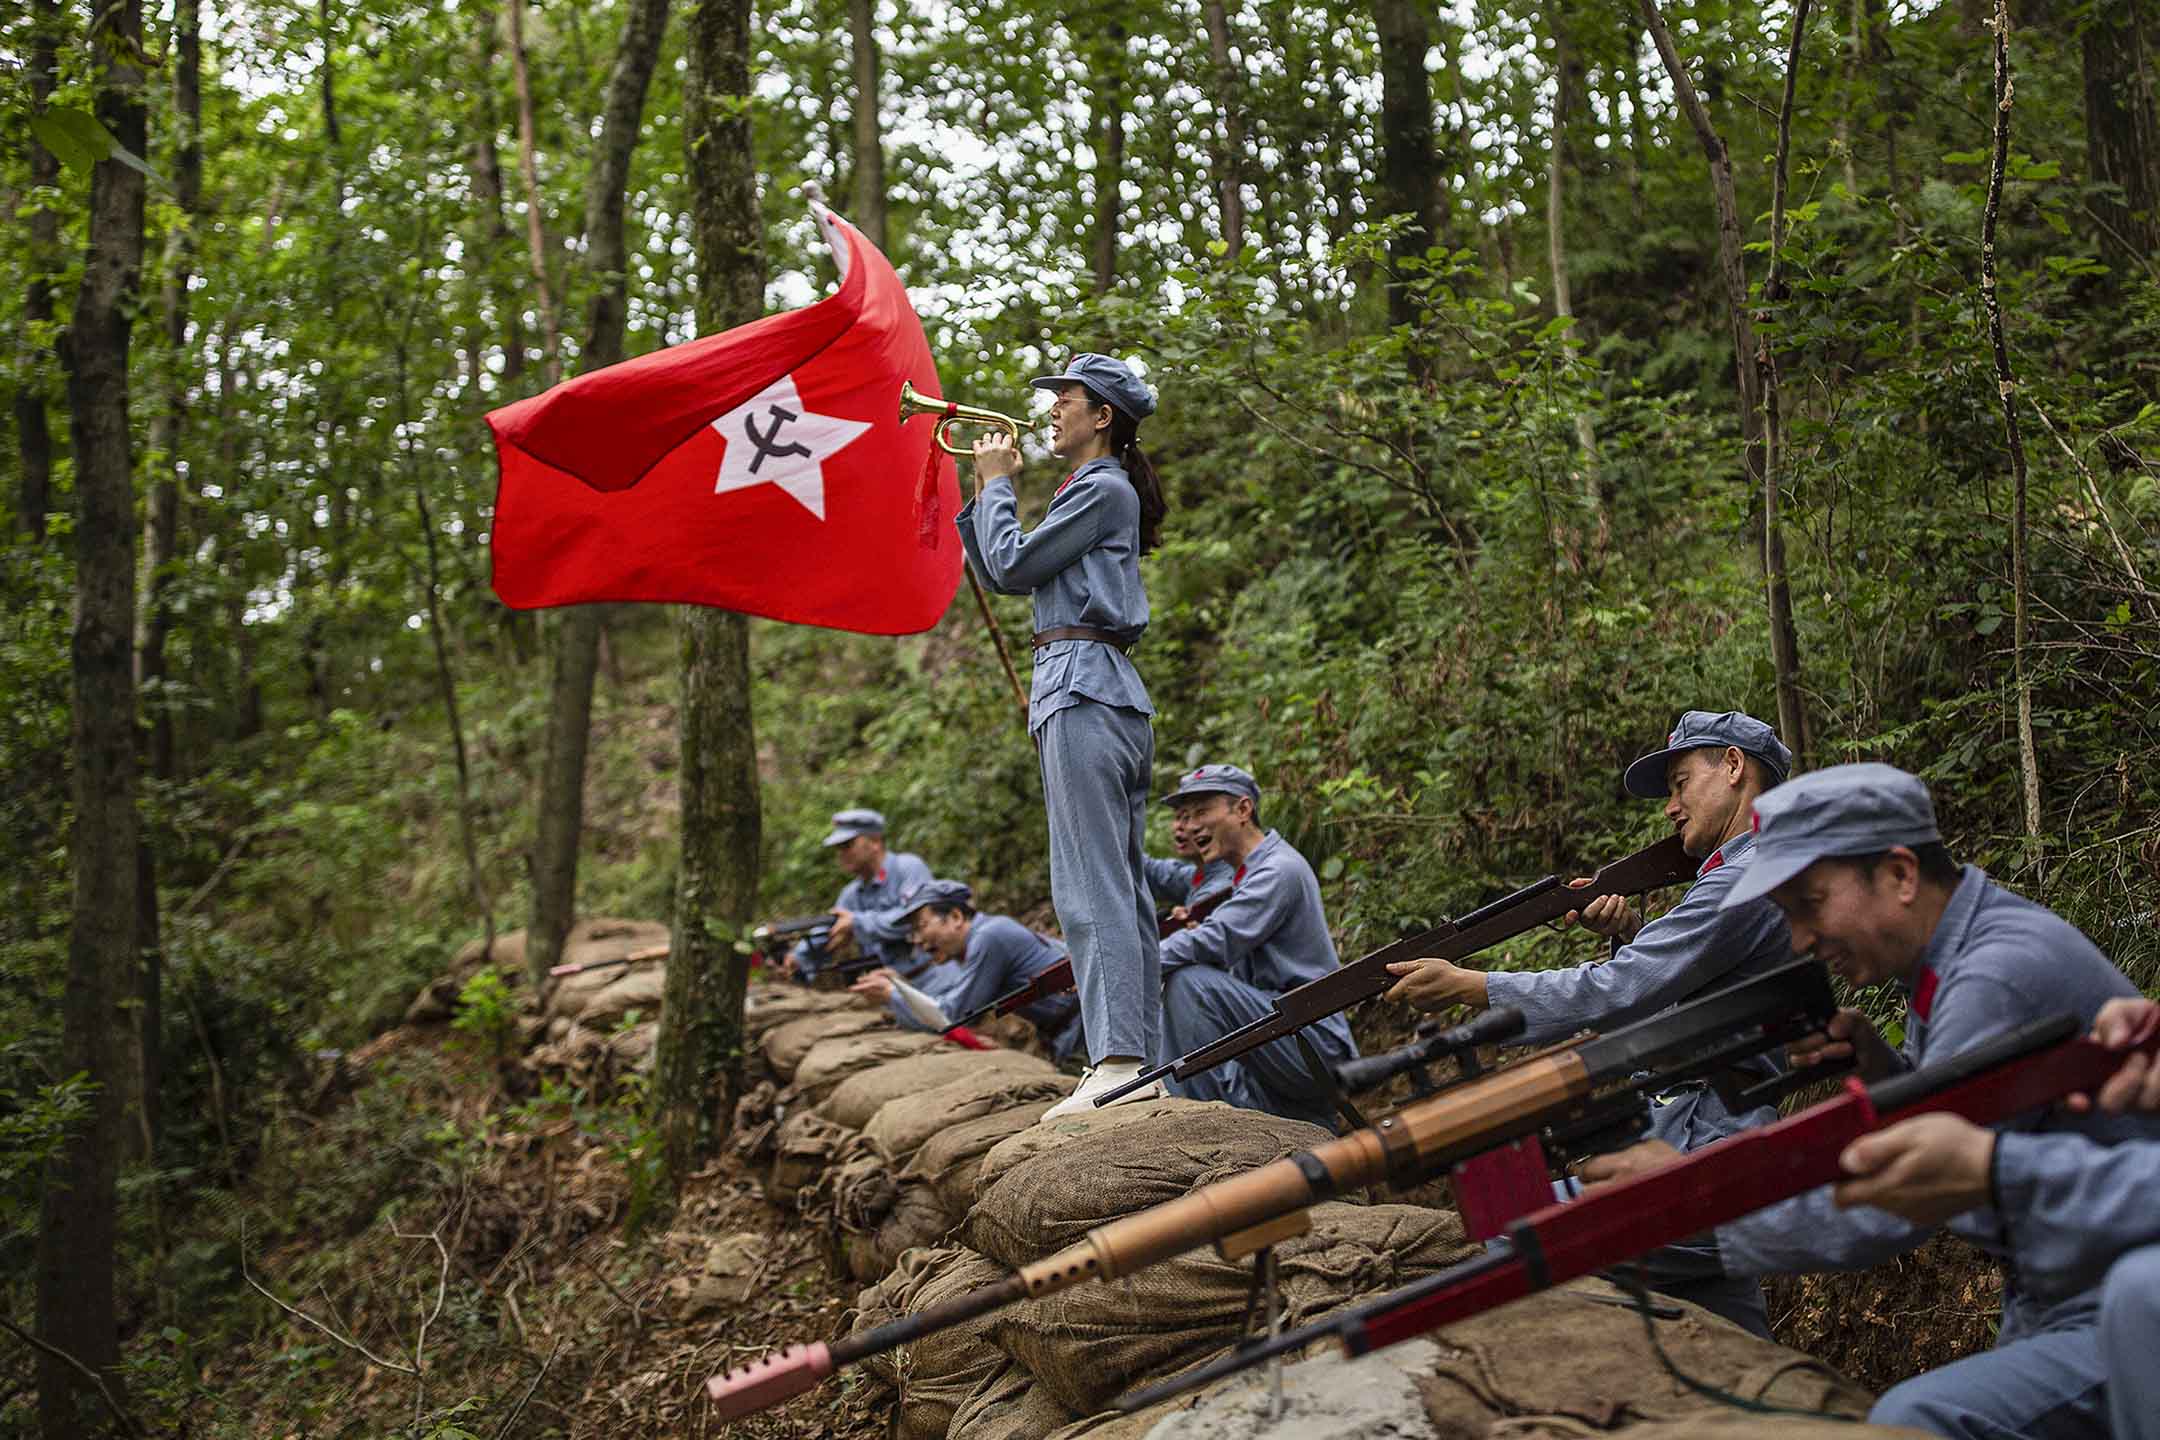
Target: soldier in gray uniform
<point>1710,771</point>
<point>868,905</point>
<point>978,958</point>
<point>1087,708</point>
<point>1190,879</point>
<point>1268,936</point>
<point>1853,857</point>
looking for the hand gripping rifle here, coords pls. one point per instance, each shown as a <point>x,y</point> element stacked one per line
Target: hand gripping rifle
<point>1566,1088</point>
<point>1059,977</point>
<point>1664,863</point>
<point>2023,1070</point>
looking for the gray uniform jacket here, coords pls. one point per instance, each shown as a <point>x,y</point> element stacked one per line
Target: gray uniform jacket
<point>1181,882</point>
<point>1692,948</point>
<point>1001,956</point>
<point>1996,960</point>
<point>875,903</point>
<point>1082,564</point>
<point>1271,933</point>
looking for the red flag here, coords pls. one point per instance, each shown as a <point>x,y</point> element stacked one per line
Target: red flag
<point>764,470</point>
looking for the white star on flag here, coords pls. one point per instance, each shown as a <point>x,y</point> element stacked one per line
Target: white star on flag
<point>773,440</point>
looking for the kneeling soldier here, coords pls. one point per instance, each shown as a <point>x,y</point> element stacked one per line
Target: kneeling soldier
<point>1268,936</point>
<point>980,957</point>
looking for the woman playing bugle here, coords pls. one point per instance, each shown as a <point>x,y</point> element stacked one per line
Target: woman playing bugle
<point>1087,708</point>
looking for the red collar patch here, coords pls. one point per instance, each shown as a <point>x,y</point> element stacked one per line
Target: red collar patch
<point>1240,875</point>
<point>1063,483</point>
<point>1197,872</point>
<point>881,874</point>
<point>1717,858</point>
<point>1923,995</point>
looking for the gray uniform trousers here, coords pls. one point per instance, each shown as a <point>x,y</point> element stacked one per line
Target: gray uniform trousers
<point>1098,762</point>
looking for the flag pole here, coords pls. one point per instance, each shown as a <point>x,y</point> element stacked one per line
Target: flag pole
<point>997,638</point>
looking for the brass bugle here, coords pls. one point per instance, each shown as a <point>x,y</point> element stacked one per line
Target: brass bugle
<point>913,403</point>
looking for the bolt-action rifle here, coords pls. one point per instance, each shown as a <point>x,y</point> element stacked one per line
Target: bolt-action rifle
<point>2023,1070</point>
<point>1664,863</point>
<point>635,957</point>
<point>1059,977</point>
<point>1585,1088</point>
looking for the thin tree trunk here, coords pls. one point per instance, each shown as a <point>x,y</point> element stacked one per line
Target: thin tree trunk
<point>1631,89</point>
<point>33,428</point>
<point>869,213</point>
<point>1230,164</point>
<point>1406,142</point>
<point>529,169</point>
<point>697,1064</point>
<point>2122,129</point>
<point>1731,266</point>
<point>1784,637</point>
<point>77,1230</point>
<point>1109,142</point>
<point>488,190</point>
<point>2006,388</point>
<point>1566,91</point>
<point>576,652</point>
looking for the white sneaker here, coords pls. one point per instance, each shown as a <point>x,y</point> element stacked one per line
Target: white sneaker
<point>1101,1080</point>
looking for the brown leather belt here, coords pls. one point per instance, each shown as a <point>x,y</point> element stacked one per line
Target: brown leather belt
<point>1081,632</point>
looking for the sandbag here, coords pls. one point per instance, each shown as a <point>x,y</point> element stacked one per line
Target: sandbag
<point>785,1045</point>
<point>1559,1354</point>
<point>803,1148</point>
<point>598,939</point>
<point>916,1220</point>
<point>1729,1425</point>
<point>1068,1128</point>
<point>1009,1405</point>
<point>640,989</point>
<point>771,1004</point>
<point>1058,1194</point>
<point>833,1060</point>
<point>902,1126</point>
<point>863,1094</point>
<point>951,1159</point>
<point>1087,1344</point>
<point>936,1373</point>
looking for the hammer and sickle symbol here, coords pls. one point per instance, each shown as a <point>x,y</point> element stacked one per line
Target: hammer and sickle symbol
<point>765,446</point>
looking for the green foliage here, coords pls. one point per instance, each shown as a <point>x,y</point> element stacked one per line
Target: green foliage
<point>487,1015</point>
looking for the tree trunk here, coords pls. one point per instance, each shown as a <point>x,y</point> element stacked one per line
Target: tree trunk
<point>700,1044</point>
<point>869,213</point>
<point>528,167</point>
<point>488,190</point>
<point>33,428</point>
<point>2122,128</point>
<point>1567,91</point>
<point>1109,144</point>
<point>1406,141</point>
<point>1784,637</point>
<point>77,1231</point>
<point>577,633</point>
<point>2006,389</point>
<point>1731,267</point>
<point>1230,166</point>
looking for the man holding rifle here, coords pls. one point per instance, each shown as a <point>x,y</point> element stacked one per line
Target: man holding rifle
<point>1710,772</point>
<point>1267,936</point>
<point>866,910</point>
<point>1853,857</point>
<point>979,958</point>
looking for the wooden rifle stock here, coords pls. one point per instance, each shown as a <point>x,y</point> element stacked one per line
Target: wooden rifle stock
<point>635,957</point>
<point>1664,863</point>
<point>1423,1138</point>
<point>2021,1071</point>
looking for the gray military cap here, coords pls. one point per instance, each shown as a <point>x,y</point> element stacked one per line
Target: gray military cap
<point>1114,380</point>
<point>1844,810</point>
<point>1215,780</point>
<point>936,892</point>
<point>1701,730</point>
<point>850,823</point>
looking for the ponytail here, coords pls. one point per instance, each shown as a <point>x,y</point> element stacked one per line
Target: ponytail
<point>1125,448</point>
